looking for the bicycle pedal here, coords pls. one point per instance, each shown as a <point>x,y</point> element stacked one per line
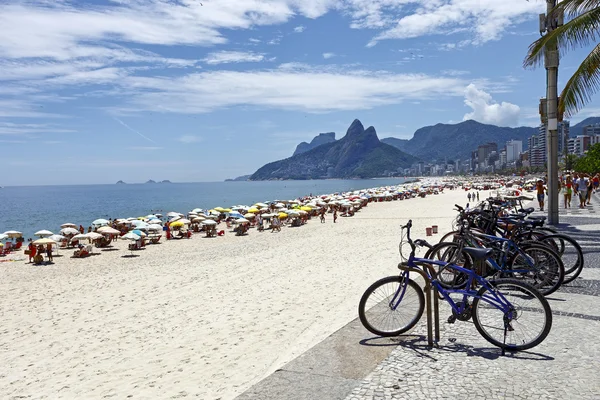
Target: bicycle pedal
<point>452,319</point>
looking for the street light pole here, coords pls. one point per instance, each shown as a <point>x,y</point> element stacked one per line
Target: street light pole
<point>552,21</point>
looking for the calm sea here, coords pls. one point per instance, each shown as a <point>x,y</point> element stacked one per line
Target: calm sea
<point>32,208</point>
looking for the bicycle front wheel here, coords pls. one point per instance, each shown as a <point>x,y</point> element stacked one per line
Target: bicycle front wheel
<point>526,323</point>
<point>377,308</point>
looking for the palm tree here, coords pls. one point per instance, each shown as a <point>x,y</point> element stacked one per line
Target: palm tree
<point>582,30</point>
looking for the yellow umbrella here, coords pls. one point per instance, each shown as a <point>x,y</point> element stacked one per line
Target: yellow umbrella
<point>282,215</point>
<point>253,210</point>
<point>225,210</point>
<point>306,208</point>
<point>177,224</point>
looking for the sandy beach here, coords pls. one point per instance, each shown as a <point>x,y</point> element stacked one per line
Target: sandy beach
<point>204,317</point>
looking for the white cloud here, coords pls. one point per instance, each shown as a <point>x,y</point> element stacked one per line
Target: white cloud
<point>224,57</point>
<point>299,29</point>
<point>189,139</point>
<point>297,87</point>
<point>486,20</point>
<point>328,55</point>
<point>487,111</point>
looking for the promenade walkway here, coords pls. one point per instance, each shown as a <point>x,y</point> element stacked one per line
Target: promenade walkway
<point>354,365</point>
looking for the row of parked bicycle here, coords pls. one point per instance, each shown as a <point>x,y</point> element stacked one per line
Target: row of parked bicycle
<point>495,268</point>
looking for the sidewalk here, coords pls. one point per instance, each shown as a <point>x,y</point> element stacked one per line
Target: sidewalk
<point>354,365</point>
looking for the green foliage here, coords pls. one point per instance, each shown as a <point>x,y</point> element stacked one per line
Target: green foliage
<point>581,31</point>
<point>590,162</point>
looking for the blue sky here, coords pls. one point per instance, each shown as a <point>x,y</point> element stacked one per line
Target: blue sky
<point>97,91</point>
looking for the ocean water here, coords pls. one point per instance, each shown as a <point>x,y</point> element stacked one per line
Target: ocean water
<point>32,208</point>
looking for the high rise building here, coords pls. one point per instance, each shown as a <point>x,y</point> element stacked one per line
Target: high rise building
<point>513,149</point>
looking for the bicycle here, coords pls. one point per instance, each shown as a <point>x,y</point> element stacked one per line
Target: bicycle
<point>495,296</point>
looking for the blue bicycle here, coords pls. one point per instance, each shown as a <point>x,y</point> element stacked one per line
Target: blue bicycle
<point>508,313</point>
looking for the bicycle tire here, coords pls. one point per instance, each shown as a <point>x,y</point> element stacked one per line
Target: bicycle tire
<point>544,312</point>
<point>571,272</point>
<point>551,276</point>
<point>449,235</point>
<point>364,310</point>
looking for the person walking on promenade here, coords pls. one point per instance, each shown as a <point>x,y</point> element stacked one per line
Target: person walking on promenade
<point>590,190</point>
<point>477,196</point>
<point>568,190</point>
<point>581,184</point>
<point>469,196</point>
<point>541,191</point>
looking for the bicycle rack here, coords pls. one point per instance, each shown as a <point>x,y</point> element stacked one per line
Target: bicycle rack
<point>428,294</point>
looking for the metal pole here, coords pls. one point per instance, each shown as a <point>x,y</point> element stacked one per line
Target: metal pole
<point>551,64</point>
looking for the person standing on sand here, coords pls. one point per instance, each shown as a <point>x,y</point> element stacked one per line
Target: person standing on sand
<point>32,250</point>
<point>81,229</point>
<point>323,215</point>
<point>49,251</point>
<point>334,215</point>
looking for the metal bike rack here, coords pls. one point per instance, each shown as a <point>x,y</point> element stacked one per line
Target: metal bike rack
<point>429,293</point>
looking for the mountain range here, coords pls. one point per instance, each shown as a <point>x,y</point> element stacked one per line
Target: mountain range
<point>359,154</point>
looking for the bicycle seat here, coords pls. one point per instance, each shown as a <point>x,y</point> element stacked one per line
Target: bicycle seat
<point>540,218</point>
<point>528,210</point>
<point>477,253</point>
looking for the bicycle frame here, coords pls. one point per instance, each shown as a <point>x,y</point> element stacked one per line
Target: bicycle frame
<point>491,297</point>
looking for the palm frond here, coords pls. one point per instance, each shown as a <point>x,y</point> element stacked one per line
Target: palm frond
<point>573,8</point>
<point>584,83</point>
<point>578,32</point>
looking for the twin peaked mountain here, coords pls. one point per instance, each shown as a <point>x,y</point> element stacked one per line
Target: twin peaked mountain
<point>359,154</point>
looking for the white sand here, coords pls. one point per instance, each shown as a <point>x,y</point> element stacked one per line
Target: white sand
<point>203,317</point>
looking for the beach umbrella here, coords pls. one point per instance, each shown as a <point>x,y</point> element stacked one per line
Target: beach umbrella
<point>108,230</point>
<point>130,236</point>
<point>13,234</point>
<point>68,225</point>
<point>154,228</point>
<point>198,210</point>
<point>57,238</point>
<point>208,222</point>
<point>261,205</point>
<point>44,241</point>
<point>139,233</point>
<point>235,214</point>
<point>282,215</point>
<point>80,236</point>
<point>249,216</point>
<point>43,233</point>
<point>241,221</point>
<point>253,210</point>
<point>198,219</point>
<point>94,236</point>
<point>175,218</point>
<point>140,224</point>
<point>172,214</point>
<point>177,224</point>
<point>100,222</point>
<point>69,231</point>
<point>185,221</point>
<point>3,236</point>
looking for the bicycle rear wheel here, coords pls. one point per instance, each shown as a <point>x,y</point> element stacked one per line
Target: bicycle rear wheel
<point>376,307</point>
<point>547,272</point>
<point>570,253</point>
<point>527,322</point>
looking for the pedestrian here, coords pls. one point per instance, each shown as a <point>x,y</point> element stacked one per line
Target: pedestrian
<point>49,251</point>
<point>32,249</point>
<point>477,196</point>
<point>581,184</point>
<point>541,190</point>
<point>469,196</point>
<point>334,215</point>
<point>323,215</point>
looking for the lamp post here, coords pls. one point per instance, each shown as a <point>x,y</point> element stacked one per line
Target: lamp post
<point>548,22</point>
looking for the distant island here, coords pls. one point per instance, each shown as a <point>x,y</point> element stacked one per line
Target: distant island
<point>239,178</point>
<point>165,181</point>
<point>120,183</point>
<point>151,181</point>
